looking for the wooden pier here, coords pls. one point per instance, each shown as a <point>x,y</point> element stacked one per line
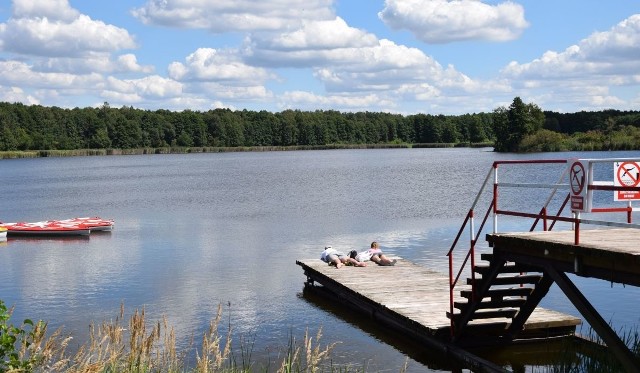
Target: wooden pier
<point>414,301</point>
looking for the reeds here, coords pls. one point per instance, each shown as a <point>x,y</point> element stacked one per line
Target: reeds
<point>138,346</point>
<point>591,354</point>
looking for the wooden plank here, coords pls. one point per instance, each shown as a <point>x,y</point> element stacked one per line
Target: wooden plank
<point>608,254</point>
<point>410,294</point>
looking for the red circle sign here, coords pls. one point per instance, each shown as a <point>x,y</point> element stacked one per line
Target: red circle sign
<point>577,178</point>
<point>628,174</point>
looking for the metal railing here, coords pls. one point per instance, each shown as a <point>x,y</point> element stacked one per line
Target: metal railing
<point>568,180</point>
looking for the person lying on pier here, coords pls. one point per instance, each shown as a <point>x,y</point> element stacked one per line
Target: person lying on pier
<point>338,258</point>
<point>376,255</point>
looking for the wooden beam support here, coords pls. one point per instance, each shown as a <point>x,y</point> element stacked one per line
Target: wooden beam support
<point>541,289</point>
<point>613,341</point>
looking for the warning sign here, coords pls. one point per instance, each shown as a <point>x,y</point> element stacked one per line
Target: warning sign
<point>578,179</point>
<point>627,174</point>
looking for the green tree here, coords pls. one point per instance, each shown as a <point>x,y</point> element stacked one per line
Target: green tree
<point>513,124</point>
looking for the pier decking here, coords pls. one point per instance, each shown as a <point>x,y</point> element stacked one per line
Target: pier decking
<point>608,254</point>
<point>414,299</point>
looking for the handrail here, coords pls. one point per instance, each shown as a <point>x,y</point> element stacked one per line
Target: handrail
<point>575,220</point>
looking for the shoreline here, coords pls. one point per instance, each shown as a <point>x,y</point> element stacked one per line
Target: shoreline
<point>213,149</point>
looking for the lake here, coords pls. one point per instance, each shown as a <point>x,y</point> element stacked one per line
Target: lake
<point>194,231</point>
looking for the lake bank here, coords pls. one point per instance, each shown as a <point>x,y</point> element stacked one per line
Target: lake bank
<point>211,149</point>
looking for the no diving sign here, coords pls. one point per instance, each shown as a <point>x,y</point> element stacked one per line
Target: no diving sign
<point>627,174</point>
<point>578,178</point>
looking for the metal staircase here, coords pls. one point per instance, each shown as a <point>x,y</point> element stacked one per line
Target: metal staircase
<point>501,295</point>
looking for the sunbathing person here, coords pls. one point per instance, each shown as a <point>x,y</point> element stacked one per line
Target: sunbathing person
<point>378,257</point>
<point>338,258</point>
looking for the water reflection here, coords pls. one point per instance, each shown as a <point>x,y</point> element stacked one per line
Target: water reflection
<point>195,231</point>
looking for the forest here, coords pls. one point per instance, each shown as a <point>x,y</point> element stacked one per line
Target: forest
<point>35,127</point>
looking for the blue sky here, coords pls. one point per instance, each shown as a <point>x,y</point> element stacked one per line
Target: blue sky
<point>399,56</point>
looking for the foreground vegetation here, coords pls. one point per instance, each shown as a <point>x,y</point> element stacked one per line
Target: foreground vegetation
<point>139,346</point>
<point>43,131</point>
<point>593,356</point>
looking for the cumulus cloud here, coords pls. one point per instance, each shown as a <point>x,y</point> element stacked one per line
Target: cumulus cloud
<point>353,64</point>
<point>323,34</point>
<point>16,94</point>
<point>56,10</point>
<point>232,15</point>
<point>153,86</point>
<point>208,64</point>
<point>235,93</point>
<point>129,63</point>
<point>20,74</point>
<point>612,54</point>
<point>295,99</point>
<point>445,21</point>
<point>36,29</point>
<point>92,62</point>
<point>587,75</point>
<point>313,44</point>
<point>62,53</point>
<point>387,66</point>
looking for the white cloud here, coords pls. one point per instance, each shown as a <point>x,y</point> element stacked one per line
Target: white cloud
<point>152,86</point>
<point>62,53</point>
<point>612,54</point>
<point>129,63</point>
<point>41,36</point>
<point>296,99</point>
<point>587,75</point>
<point>16,94</point>
<point>232,15</point>
<point>355,66</point>
<point>387,66</point>
<point>207,64</point>
<point>20,74</point>
<point>323,34</point>
<point>444,21</point>
<point>57,10</point>
<point>92,62</point>
<point>221,91</point>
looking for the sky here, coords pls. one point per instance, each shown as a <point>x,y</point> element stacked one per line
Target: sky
<point>447,57</point>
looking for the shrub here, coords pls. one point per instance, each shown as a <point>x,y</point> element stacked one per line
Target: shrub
<point>20,347</point>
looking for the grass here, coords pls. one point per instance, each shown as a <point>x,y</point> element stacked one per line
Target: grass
<point>138,346</point>
<point>592,356</point>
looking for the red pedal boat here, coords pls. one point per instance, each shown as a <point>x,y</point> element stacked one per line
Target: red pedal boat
<point>94,223</point>
<point>67,227</point>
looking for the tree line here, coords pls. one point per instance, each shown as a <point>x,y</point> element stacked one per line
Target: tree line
<point>526,128</point>
<point>35,127</point>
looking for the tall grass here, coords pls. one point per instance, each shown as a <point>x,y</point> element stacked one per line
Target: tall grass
<point>593,356</point>
<point>138,346</point>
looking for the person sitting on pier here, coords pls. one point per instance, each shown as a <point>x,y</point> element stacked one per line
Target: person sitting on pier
<point>338,259</point>
<point>378,257</point>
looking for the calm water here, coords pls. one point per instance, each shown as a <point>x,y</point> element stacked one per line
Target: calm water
<point>195,231</point>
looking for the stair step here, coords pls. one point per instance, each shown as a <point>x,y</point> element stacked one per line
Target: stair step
<point>483,269</point>
<point>493,314</point>
<point>499,293</point>
<point>487,256</point>
<point>511,280</point>
<point>512,302</point>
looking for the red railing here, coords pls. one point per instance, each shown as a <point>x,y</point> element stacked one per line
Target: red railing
<point>562,183</point>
